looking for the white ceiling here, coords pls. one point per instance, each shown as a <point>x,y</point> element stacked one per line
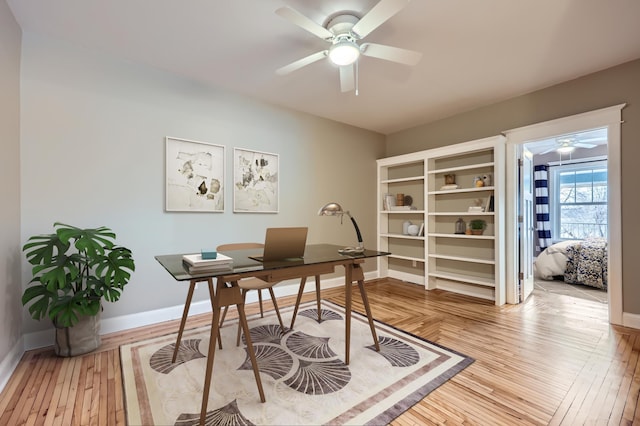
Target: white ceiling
<point>475,52</point>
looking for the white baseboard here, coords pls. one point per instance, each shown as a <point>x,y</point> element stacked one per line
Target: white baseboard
<point>10,363</point>
<point>631,320</point>
<point>40,339</point>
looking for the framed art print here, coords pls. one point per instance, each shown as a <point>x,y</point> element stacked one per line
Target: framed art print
<point>255,181</point>
<point>194,176</point>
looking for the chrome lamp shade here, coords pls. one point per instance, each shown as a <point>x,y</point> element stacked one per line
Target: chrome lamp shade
<point>334,209</point>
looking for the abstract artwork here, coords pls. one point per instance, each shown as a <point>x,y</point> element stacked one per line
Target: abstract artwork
<point>194,176</point>
<point>255,181</point>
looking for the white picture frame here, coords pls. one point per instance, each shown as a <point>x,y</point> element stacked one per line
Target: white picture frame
<point>194,176</point>
<point>256,177</point>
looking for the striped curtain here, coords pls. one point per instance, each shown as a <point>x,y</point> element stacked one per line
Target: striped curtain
<point>541,178</point>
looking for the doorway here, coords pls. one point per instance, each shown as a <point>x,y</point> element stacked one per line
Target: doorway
<point>569,211</point>
<point>608,118</point>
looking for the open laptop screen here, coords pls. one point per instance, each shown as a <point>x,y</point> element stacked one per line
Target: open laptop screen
<point>283,243</point>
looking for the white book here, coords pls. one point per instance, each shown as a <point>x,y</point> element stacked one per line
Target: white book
<point>197,260</point>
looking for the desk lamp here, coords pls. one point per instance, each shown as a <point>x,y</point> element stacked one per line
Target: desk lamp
<point>334,209</point>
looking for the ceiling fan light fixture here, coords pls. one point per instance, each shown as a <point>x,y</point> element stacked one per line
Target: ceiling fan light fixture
<point>344,51</point>
<point>566,149</point>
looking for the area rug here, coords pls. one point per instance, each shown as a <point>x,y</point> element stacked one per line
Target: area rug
<point>303,374</point>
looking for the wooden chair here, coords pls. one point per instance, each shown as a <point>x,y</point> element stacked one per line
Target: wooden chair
<point>247,284</point>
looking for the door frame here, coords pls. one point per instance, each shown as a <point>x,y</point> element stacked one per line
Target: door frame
<point>611,118</point>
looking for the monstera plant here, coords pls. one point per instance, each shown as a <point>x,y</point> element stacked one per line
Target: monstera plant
<point>73,270</point>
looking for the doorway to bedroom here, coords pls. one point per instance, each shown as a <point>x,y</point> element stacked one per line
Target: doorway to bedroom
<point>521,221</point>
<point>569,214</point>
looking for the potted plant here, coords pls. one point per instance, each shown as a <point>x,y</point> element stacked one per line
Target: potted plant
<point>477,226</point>
<point>73,270</point>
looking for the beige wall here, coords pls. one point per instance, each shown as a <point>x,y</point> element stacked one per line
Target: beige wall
<point>10,289</point>
<point>620,84</point>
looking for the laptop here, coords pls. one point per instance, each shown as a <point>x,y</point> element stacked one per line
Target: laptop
<point>283,244</point>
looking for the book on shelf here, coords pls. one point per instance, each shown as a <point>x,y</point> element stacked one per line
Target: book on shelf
<point>421,231</point>
<point>489,206</point>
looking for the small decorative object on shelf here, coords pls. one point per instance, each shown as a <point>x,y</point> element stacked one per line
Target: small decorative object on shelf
<point>408,200</point>
<point>399,199</point>
<point>477,206</point>
<point>388,202</point>
<point>487,179</point>
<point>460,226</point>
<point>450,179</point>
<point>477,226</point>
<point>414,230</point>
<point>478,182</point>
<point>405,227</point>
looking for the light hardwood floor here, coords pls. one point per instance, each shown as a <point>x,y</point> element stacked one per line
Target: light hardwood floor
<point>552,360</point>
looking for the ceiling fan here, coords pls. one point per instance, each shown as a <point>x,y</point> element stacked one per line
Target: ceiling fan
<point>567,144</point>
<point>344,31</point>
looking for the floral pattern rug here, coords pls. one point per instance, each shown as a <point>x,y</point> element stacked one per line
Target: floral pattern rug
<point>303,374</point>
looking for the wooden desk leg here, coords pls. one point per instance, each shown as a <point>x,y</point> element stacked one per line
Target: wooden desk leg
<point>224,296</point>
<point>318,298</point>
<point>347,295</point>
<point>183,321</point>
<point>303,282</point>
<point>358,274</point>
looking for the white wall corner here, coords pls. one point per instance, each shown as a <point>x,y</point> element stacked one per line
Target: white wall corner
<point>10,362</point>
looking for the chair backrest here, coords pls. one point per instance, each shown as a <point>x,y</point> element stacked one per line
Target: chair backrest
<point>239,246</point>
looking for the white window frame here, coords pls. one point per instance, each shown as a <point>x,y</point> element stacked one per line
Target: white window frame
<point>585,164</point>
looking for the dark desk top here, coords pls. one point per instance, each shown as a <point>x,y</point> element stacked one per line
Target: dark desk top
<point>313,255</point>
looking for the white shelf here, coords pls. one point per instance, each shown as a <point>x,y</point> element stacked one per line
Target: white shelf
<point>409,258</point>
<point>463,278</point>
<point>457,169</point>
<point>476,237</point>
<point>461,190</point>
<point>402,211</point>
<point>461,214</point>
<point>407,179</point>
<point>463,259</point>
<point>404,236</point>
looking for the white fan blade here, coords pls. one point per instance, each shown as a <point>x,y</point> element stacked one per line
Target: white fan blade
<point>584,145</point>
<point>302,62</point>
<point>305,23</point>
<point>382,11</point>
<point>347,80</point>
<point>389,53</point>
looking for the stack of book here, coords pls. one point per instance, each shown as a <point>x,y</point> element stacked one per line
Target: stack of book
<point>195,264</point>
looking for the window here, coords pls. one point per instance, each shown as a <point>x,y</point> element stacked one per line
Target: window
<point>579,200</point>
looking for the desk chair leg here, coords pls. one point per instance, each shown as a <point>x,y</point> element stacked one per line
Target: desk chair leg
<point>244,298</point>
<point>260,302</point>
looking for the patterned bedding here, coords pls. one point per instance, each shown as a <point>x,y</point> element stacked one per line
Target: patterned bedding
<point>577,262</point>
<point>587,263</point>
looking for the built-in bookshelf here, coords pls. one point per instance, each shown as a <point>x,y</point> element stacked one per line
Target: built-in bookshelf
<point>449,186</point>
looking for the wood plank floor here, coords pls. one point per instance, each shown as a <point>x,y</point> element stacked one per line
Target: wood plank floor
<point>552,360</point>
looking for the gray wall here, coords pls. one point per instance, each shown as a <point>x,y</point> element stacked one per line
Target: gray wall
<point>10,292</point>
<point>93,147</point>
<point>602,89</point>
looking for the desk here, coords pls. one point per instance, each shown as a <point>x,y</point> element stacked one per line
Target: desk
<point>319,259</point>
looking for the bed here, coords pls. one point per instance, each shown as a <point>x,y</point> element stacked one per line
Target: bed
<point>575,262</point>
